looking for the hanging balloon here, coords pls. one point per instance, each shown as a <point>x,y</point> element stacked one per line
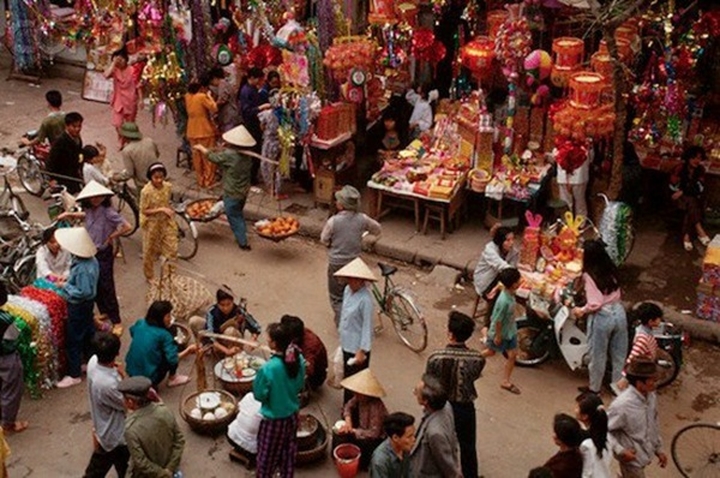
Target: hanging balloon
<point>538,65</point>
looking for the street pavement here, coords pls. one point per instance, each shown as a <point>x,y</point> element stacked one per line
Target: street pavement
<point>514,432</point>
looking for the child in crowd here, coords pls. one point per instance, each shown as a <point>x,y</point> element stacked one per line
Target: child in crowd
<point>226,317</point>
<point>502,334</point>
<point>421,119</point>
<point>644,344</point>
<point>157,219</point>
<point>391,140</point>
<point>594,449</point>
<point>568,462</point>
<point>93,160</point>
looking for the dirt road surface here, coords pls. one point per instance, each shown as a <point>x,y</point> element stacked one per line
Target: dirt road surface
<point>514,432</point>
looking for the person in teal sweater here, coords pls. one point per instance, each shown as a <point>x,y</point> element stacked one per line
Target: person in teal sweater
<point>153,352</point>
<point>276,386</point>
<point>502,335</point>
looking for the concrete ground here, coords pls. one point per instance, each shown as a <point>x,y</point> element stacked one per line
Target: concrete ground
<point>514,432</point>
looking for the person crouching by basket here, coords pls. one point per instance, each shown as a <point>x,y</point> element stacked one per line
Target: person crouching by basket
<point>277,385</point>
<point>153,352</point>
<point>242,433</point>
<point>237,174</point>
<point>157,219</point>
<point>363,415</point>
<point>104,224</point>
<point>312,348</point>
<point>356,319</point>
<point>228,318</point>
<point>80,289</point>
<point>343,235</point>
<point>152,434</point>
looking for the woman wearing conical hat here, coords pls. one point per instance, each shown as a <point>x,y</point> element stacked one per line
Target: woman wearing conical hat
<point>356,319</point>
<point>363,415</point>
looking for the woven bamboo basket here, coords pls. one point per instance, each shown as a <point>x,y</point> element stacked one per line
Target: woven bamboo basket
<point>208,427</point>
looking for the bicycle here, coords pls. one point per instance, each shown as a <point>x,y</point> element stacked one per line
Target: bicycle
<point>696,450</point>
<point>31,166</point>
<point>9,200</point>
<point>127,204</point>
<point>400,307</point>
<point>19,240</point>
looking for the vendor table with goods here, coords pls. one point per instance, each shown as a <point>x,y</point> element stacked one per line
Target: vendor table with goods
<point>523,187</point>
<point>425,184</point>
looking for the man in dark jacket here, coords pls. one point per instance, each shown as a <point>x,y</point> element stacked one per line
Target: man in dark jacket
<point>65,158</point>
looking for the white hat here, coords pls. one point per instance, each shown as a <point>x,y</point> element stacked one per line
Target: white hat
<point>365,383</point>
<point>93,189</point>
<point>356,269</point>
<point>76,240</point>
<point>239,136</point>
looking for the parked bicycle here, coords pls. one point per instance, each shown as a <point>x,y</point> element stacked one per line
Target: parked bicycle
<point>126,203</point>
<point>695,450</point>
<point>398,304</point>
<point>19,240</point>
<point>31,165</point>
<point>9,200</point>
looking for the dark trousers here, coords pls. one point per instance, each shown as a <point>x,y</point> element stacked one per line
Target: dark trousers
<point>101,462</point>
<point>465,429</point>
<point>78,334</point>
<point>352,370</point>
<point>11,388</point>
<point>693,214</point>
<point>106,298</point>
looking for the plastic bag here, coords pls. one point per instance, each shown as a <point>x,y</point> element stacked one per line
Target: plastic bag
<point>336,369</point>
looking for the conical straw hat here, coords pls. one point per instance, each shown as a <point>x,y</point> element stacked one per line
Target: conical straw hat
<point>76,240</point>
<point>239,136</point>
<point>356,269</point>
<point>365,383</point>
<point>93,189</point>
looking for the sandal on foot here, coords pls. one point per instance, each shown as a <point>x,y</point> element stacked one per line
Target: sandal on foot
<point>178,380</point>
<point>512,388</point>
<point>16,427</point>
<point>688,246</point>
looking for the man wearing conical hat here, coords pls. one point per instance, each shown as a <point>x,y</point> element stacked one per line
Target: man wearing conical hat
<point>237,173</point>
<point>356,319</point>
<point>80,290</point>
<point>343,235</point>
<point>363,415</point>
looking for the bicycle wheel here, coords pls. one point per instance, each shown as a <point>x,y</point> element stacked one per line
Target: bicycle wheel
<point>408,321</point>
<point>187,236</point>
<point>24,272</point>
<point>696,450</point>
<point>128,208</point>
<point>533,348</point>
<point>31,175</point>
<point>668,369</point>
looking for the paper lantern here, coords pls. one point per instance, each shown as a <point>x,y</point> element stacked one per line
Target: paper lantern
<point>585,89</point>
<point>495,18</point>
<point>381,12</point>
<point>568,53</point>
<point>629,31</point>
<point>602,63</point>
<point>478,55</point>
<point>407,12</point>
<point>623,47</point>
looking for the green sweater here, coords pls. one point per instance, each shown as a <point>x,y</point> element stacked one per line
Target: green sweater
<point>152,353</point>
<point>237,170</point>
<point>276,390</point>
<point>155,442</point>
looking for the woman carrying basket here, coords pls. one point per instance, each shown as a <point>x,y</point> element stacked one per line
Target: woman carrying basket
<point>237,172</point>
<point>157,219</point>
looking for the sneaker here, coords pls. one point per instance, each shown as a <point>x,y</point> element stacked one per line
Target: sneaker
<point>688,246</point>
<point>68,382</point>
<point>704,240</point>
<point>178,380</point>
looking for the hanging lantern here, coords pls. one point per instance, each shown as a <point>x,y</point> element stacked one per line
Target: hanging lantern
<point>381,12</point>
<point>478,55</point>
<point>585,89</point>
<point>568,53</point>
<point>407,12</point>
<point>495,18</point>
<point>602,63</point>
<point>624,48</point>
<point>629,31</point>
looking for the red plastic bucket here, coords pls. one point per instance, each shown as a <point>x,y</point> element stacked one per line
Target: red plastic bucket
<point>347,459</point>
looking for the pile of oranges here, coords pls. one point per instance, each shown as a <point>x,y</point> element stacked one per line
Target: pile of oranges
<point>280,226</point>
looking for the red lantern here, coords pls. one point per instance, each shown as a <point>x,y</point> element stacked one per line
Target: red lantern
<point>623,47</point>
<point>478,55</point>
<point>568,53</point>
<point>585,89</point>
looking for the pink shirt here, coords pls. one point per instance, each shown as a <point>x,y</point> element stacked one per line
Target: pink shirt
<point>124,98</point>
<point>595,298</point>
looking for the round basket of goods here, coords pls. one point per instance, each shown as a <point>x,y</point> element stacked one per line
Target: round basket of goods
<point>479,179</point>
<point>209,412</point>
<point>181,335</point>
<point>204,210</point>
<point>277,229</point>
<point>237,373</point>
<point>312,440</point>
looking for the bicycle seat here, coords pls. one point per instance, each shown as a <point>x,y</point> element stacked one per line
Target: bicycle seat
<point>386,269</point>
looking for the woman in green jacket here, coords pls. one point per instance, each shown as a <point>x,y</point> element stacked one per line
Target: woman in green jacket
<point>153,352</point>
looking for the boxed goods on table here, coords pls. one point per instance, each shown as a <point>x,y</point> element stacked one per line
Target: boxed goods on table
<point>335,120</point>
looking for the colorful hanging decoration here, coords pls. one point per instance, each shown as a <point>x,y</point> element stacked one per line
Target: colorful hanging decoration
<point>568,53</point>
<point>425,47</point>
<point>25,50</point>
<point>477,56</point>
<point>616,231</point>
